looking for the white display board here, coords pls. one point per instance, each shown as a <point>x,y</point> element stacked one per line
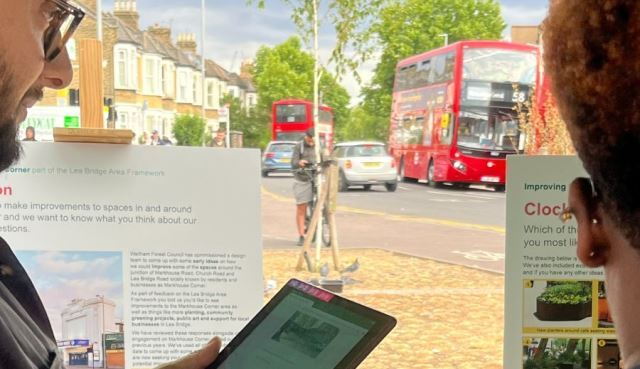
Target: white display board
<point>555,312</point>
<point>163,243</point>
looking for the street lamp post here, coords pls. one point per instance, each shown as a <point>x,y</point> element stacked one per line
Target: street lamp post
<point>446,38</point>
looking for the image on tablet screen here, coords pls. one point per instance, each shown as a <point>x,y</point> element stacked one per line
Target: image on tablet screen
<point>301,332</point>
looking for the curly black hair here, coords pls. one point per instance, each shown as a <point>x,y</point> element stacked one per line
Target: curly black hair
<point>592,54</point>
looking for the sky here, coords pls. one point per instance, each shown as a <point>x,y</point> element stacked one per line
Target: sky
<point>61,277</point>
<point>235,31</point>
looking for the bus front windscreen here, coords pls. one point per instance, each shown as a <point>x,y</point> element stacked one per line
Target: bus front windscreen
<point>499,65</point>
<point>291,113</point>
<point>490,129</point>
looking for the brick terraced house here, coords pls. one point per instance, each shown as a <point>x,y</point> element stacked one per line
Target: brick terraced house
<point>148,79</point>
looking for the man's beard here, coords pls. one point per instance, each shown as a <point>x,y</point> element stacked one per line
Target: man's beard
<point>10,148</point>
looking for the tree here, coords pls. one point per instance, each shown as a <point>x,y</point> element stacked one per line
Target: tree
<point>357,126</point>
<point>410,27</point>
<point>286,71</point>
<point>189,130</point>
<point>254,126</point>
<point>349,19</point>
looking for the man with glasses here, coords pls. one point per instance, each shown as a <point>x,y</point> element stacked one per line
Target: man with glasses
<point>33,34</point>
<point>592,54</point>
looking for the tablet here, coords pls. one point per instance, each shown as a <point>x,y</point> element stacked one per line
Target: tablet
<point>304,326</point>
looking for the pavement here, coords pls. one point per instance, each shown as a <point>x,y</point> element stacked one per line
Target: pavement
<point>449,306</point>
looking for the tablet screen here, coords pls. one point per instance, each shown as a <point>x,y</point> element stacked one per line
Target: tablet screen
<point>305,328</point>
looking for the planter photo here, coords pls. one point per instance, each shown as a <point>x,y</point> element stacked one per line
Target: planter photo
<point>564,301</point>
<point>557,353</point>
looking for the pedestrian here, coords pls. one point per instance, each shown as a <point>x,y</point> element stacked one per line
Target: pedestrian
<point>591,53</point>
<point>144,139</point>
<point>29,134</point>
<point>303,156</point>
<point>219,140</point>
<point>166,141</point>
<point>155,138</point>
<point>33,56</point>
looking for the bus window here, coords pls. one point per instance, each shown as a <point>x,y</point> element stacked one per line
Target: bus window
<point>422,75</point>
<point>406,78</point>
<point>443,67</point>
<point>427,138</point>
<point>293,113</point>
<point>492,129</point>
<point>325,116</point>
<point>409,131</point>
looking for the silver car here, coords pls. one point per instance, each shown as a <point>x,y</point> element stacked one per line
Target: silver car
<point>365,163</point>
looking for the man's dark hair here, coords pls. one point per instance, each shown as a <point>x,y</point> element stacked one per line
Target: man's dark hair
<point>592,54</point>
<point>310,133</point>
<point>10,148</point>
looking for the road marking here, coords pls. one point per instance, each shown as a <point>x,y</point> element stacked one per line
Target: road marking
<point>453,194</point>
<point>430,292</point>
<point>480,255</point>
<point>406,218</point>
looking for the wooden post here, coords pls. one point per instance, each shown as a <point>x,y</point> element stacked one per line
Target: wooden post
<point>313,224</point>
<point>91,82</point>
<point>91,101</point>
<point>332,204</point>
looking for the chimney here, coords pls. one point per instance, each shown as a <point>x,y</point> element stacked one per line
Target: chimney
<point>161,33</point>
<point>187,43</point>
<point>127,11</point>
<point>246,69</point>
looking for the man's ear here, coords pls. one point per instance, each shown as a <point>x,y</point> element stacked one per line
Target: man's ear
<point>593,243</point>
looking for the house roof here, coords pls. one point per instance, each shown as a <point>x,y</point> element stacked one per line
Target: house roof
<point>151,44</point>
<point>215,70</point>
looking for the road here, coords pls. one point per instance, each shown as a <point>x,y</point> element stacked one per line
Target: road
<point>456,226</point>
<point>476,205</point>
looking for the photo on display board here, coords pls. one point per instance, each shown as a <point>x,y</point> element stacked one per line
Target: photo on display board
<point>558,303</point>
<point>556,353</point>
<point>82,293</point>
<point>604,315</point>
<point>608,353</point>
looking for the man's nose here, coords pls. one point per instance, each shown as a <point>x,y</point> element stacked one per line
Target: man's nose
<point>57,74</point>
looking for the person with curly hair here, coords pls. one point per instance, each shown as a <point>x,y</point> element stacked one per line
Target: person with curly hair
<point>592,54</point>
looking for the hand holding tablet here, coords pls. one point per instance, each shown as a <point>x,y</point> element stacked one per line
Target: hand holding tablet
<point>304,326</point>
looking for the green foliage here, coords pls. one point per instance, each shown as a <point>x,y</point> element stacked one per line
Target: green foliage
<point>357,127</point>
<point>349,18</point>
<point>286,71</point>
<point>189,130</point>
<point>569,293</point>
<point>254,126</point>
<point>547,362</point>
<point>408,27</point>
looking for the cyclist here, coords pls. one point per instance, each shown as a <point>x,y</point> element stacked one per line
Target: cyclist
<point>303,155</point>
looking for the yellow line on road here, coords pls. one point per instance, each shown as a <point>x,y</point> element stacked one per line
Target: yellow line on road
<point>403,218</point>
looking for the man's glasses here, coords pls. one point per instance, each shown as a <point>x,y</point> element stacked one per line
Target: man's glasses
<point>64,22</point>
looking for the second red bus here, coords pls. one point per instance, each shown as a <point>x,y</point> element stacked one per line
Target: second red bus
<point>293,117</point>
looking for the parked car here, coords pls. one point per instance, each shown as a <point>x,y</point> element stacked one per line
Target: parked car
<point>277,157</point>
<point>365,163</point>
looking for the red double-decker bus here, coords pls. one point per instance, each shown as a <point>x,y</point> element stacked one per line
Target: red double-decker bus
<point>453,117</point>
<point>293,117</point>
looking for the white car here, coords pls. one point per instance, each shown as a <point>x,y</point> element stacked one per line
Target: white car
<point>365,163</point>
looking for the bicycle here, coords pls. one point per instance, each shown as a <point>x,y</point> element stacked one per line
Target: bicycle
<point>312,171</point>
